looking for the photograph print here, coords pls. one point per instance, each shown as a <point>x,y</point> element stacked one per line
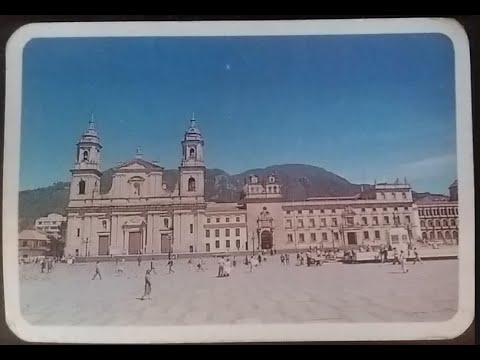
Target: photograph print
<point>241,181</point>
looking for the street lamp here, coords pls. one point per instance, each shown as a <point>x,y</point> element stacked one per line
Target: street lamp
<point>253,243</point>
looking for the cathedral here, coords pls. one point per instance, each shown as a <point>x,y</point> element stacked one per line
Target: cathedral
<point>139,215</point>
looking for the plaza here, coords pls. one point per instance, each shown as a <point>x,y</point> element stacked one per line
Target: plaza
<point>271,293</point>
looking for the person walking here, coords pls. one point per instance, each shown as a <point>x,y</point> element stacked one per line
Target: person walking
<point>148,286</point>
<point>152,266</point>
<point>417,257</point>
<point>97,271</point>
<point>396,260</point>
<point>234,261</point>
<point>403,261</point>
<point>170,266</point>
<point>139,260</point>
<point>221,267</point>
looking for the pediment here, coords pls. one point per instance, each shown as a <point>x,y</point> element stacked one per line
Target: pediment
<point>138,165</point>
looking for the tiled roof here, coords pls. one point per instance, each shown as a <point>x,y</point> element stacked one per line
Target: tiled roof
<point>33,235</point>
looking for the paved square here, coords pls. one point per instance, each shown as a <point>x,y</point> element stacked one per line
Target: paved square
<point>272,293</point>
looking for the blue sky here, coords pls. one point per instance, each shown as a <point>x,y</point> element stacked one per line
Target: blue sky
<point>365,107</point>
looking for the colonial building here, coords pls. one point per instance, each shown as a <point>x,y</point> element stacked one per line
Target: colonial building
<point>139,214</point>
<point>439,217</point>
<point>33,243</point>
<point>50,224</point>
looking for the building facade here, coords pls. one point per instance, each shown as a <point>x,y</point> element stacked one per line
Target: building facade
<point>140,215</point>
<point>33,243</point>
<point>50,224</point>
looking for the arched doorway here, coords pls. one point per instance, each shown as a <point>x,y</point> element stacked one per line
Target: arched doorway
<point>266,240</point>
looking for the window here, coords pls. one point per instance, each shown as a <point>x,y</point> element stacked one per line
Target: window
<point>430,222</point>
<point>456,211</point>
<point>375,220</point>
<point>350,220</point>
<point>312,222</point>
<point>207,247</point>
<point>394,196</point>
<point>420,212</point>
<point>289,224</point>
<point>191,248</point>
<point>237,243</point>
<point>227,219</point>
<point>404,237</point>
<point>432,235</point>
<point>395,209</point>
<point>77,252</point>
<point>455,234</point>
<point>227,243</point>
<point>377,234</point>
<point>404,196</point>
<point>405,208</point>
<point>40,223</point>
<point>81,187</point>
<point>335,236</point>
<point>191,228</point>
<point>217,244</point>
<point>289,238</point>
<point>78,232</point>
<point>191,184</point>
<point>323,222</point>
<point>384,209</point>
<point>237,232</point>
<point>300,223</point>
<point>386,220</point>
<point>288,212</point>
<point>322,211</point>
<point>383,195</point>
<point>299,212</point>
<point>422,223</point>
<point>313,237</point>
<point>363,209</point>
<point>24,243</point>
<point>334,221</point>
<point>445,222</point>
<point>437,222</point>
<point>395,239</point>
<point>275,188</point>
<point>407,219</point>
<point>452,222</point>
<point>237,219</point>
<point>374,209</point>
<point>227,232</point>
<point>208,220</point>
<point>85,155</point>
<point>333,211</point>
<point>192,152</point>
<point>136,189</point>
<point>207,233</point>
<point>324,236</point>
<point>310,211</point>
<point>364,220</point>
<point>447,235</point>
<point>104,224</point>
<point>365,235</point>
<point>165,223</point>
<point>439,235</point>
<point>217,220</point>
<point>302,237</point>
<point>217,232</point>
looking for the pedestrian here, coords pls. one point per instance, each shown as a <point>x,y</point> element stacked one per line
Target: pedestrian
<point>403,261</point>
<point>282,259</point>
<point>49,265</point>
<point>170,266</point>
<point>152,266</point>
<point>221,267</point>
<point>259,259</point>
<point>417,257</point>
<point>139,260</point>
<point>116,266</point>
<point>395,256</point>
<point>234,261</point>
<point>97,271</point>
<point>42,265</point>
<point>120,267</point>
<point>287,259</point>
<point>227,269</point>
<point>148,286</point>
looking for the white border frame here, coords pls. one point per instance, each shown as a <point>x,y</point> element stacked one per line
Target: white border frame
<point>255,332</point>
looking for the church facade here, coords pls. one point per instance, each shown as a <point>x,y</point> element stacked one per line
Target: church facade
<point>139,215</point>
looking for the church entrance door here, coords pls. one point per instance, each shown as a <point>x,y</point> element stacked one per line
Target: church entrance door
<point>352,238</point>
<point>166,245</point>
<point>103,245</point>
<point>266,239</point>
<point>134,242</point>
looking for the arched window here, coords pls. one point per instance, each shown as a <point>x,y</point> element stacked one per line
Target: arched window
<point>404,195</point>
<point>191,184</point>
<point>192,152</point>
<point>430,222</point>
<point>447,235</point>
<point>437,222</point>
<point>455,235</point>
<point>136,189</point>
<point>104,224</point>
<point>439,235</point>
<point>81,187</point>
<point>452,222</point>
<point>85,155</point>
<point>424,235</point>
<point>445,222</point>
<point>432,235</point>
<point>275,188</point>
<point>422,223</point>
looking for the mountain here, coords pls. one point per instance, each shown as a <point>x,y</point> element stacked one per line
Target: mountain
<point>298,182</point>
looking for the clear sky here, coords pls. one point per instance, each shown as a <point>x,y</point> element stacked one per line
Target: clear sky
<point>365,107</point>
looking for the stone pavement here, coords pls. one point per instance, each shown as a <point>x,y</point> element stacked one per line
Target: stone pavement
<point>272,293</point>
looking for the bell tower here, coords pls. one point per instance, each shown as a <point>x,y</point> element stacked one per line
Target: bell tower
<point>192,168</point>
<point>86,170</point>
